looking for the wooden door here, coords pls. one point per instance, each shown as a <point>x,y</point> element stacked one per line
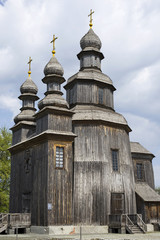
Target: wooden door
<point>152,212</point>
<point>117,203</point>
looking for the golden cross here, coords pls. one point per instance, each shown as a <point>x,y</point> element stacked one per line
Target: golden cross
<point>53,41</point>
<point>90,15</point>
<point>29,72</point>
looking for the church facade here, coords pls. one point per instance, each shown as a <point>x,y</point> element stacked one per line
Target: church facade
<point>72,160</point>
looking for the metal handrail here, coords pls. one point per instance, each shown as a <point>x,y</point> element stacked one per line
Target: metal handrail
<point>141,223</point>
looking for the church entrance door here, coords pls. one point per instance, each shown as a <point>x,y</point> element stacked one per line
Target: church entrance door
<point>117,203</point>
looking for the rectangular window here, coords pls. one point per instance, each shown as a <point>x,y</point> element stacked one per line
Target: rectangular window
<point>100,96</point>
<point>115,160</point>
<point>71,96</point>
<point>59,157</point>
<point>139,167</point>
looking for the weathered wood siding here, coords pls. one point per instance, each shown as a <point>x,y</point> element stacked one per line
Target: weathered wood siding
<point>22,133</point>
<point>54,122</point>
<point>29,183</point>
<point>88,93</point>
<point>60,123</point>
<point>152,212</point>
<point>60,186</point>
<point>21,182</point>
<point>41,124</point>
<point>147,167</point>
<point>39,215</point>
<point>94,179</point>
<point>141,208</point>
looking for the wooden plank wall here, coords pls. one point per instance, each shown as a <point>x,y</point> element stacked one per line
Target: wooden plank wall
<point>60,186</point>
<point>32,184</point>
<point>94,180</point>
<point>88,93</point>
<point>148,169</point>
<point>60,123</point>
<point>21,182</point>
<point>54,122</point>
<point>39,212</point>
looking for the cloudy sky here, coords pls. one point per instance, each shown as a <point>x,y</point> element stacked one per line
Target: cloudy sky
<point>130,35</point>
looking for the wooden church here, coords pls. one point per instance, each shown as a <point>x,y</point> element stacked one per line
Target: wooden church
<point>72,161</point>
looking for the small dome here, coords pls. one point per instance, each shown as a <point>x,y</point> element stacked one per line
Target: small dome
<point>53,67</point>
<point>29,86</point>
<point>90,39</point>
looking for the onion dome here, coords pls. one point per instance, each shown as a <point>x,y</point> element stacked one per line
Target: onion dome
<point>53,67</point>
<point>29,86</point>
<point>28,96</point>
<point>90,39</point>
<point>53,78</point>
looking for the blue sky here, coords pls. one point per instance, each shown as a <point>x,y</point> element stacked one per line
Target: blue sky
<point>130,35</point>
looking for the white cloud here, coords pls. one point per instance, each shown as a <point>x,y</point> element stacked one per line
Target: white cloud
<point>130,43</point>
<point>10,103</point>
<point>146,132</point>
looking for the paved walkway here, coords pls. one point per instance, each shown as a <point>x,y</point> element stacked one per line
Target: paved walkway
<point>147,236</point>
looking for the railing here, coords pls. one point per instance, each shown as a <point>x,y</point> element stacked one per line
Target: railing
<point>128,222</point>
<point>20,219</point>
<point>133,218</point>
<point>141,223</point>
<point>3,219</point>
<point>15,219</point>
<point>3,222</point>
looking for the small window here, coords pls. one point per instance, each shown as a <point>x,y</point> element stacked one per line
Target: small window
<point>71,96</point>
<point>100,96</point>
<point>115,160</point>
<point>59,157</point>
<point>140,175</point>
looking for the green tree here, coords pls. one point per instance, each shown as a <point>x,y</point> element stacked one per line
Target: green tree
<point>157,189</point>
<point>5,168</point>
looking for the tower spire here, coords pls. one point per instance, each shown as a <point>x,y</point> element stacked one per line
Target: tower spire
<point>29,62</point>
<point>90,15</point>
<point>53,41</point>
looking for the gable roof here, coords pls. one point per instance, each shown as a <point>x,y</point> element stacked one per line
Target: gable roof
<point>136,147</point>
<point>147,193</point>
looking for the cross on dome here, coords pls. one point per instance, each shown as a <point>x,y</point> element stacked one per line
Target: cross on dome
<point>90,15</point>
<point>53,41</point>
<point>29,62</point>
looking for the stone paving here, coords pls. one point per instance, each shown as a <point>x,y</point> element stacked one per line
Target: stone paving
<point>147,236</point>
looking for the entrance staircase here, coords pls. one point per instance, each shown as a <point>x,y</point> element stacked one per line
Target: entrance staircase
<point>134,229</point>
<point>134,223</point>
<point>3,222</point>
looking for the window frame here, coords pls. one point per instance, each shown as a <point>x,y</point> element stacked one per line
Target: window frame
<point>139,172</point>
<point>71,92</point>
<point>100,95</point>
<point>113,161</point>
<point>55,148</point>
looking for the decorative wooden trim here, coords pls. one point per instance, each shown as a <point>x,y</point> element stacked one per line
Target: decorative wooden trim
<point>59,145</point>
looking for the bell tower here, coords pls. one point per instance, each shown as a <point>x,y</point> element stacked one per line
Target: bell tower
<point>103,168</point>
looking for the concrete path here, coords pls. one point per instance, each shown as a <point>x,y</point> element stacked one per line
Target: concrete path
<point>147,236</point>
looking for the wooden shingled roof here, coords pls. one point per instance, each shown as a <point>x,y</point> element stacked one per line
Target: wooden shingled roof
<point>147,193</point>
